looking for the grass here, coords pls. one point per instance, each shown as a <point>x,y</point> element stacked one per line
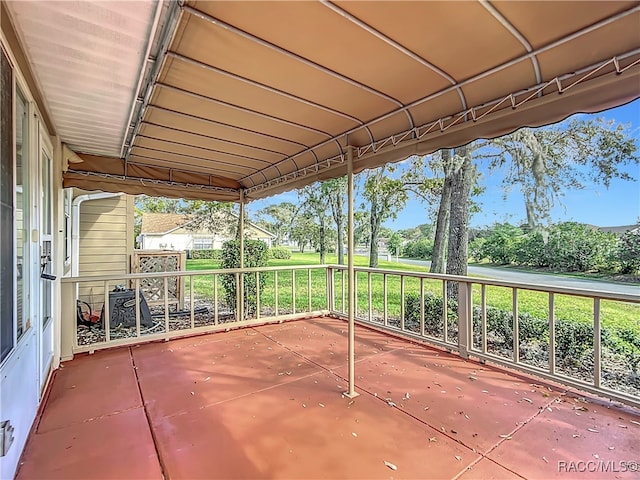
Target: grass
<point>614,314</point>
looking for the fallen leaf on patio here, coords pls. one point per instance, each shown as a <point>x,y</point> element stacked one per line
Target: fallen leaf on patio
<point>390,465</point>
<point>427,408</point>
<point>443,391</point>
<point>321,404</point>
<point>611,448</point>
<point>443,429</point>
<point>633,421</point>
<point>593,430</point>
<point>582,409</point>
<point>304,405</point>
<point>207,379</point>
<point>459,458</point>
<point>527,399</point>
<point>575,435</point>
<point>485,391</point>
<point>623,426</point>
<point>193,393</point>
<point>545,460</point>
<point>433,439</point>
<point>466,416</point>
<point>454,432</point>
<point>437,384</point>
<point>406,396</point>
<point>354,434</point>
<point>472,378</point>
<point>506,437</point>
<point>351,403</point>
<point>391,404</point>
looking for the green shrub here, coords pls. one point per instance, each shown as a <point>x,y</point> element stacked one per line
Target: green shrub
<point>206,254</point>
<point>280,253</point>
<point>531,250</point>
<point>629,253</point>
<point>576,247</point>
<point>432,314</point>
<point>573,339</point>
<point>422,249</point>
<point>255,255</point>
<point>477,249</point>
<point>503,243</point>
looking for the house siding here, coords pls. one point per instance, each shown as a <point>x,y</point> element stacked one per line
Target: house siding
<point>106,243</point>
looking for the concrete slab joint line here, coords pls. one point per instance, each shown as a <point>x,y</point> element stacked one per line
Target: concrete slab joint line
<point>262,402</point>
<point>146,414</point>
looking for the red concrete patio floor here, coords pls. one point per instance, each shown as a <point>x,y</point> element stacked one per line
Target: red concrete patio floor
<point>266,402</point>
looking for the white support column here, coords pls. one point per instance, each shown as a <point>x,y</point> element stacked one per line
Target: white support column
<point>351,276</point>
<point>241,228</point>
<point>241,241</point>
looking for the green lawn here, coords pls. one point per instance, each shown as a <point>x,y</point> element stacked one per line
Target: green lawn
<point>613,314</point>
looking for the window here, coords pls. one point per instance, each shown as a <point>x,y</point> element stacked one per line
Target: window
<point>6,208</point>
<point>68,192</point>
<point>202,243</point>
<point>22,209</point>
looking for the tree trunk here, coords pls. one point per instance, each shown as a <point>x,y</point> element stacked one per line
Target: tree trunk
<point>375,232</point>
<point>462,180</point>
<point>323,243</point>
<point>338,216</point>
<point>442,222</point>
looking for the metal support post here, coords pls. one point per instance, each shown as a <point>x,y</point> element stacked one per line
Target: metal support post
<point>352,297</point>
<point>241,241</point>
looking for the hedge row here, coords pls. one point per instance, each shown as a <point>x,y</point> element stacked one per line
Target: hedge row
<point>567,246</point>
<point>206,254</point>
<point>572,340</point>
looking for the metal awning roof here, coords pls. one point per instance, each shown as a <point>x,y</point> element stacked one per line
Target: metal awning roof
<point>268,96</point>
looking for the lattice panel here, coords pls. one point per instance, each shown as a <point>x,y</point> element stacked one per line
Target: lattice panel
<point>153,287</point>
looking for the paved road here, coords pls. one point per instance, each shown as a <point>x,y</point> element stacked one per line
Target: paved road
<point>508,274</point>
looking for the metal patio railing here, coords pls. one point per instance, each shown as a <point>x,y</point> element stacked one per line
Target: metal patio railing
<point>565,335</point>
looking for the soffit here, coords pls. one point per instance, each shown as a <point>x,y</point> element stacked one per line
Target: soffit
<point>87,59</point>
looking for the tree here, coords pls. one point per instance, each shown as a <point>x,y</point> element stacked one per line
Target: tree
<point>629,253</point>
<point>304,231</point>
<point>334,191</point>
<point>546,162</point>
<point>387,196</point>
<point>282,217</point>
<point>314,203</point>
<point>444,212</point>
<point>462,181</point>
<point>395,243</point>
<point>217,217</point>
<point>146,204</point>
<point>362,227</point>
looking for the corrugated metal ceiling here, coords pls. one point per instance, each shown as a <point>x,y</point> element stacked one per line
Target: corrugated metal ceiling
<point>87,58</point>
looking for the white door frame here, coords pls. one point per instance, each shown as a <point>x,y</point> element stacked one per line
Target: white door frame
<point>47,234</point>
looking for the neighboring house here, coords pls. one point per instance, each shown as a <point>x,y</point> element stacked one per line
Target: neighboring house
<point>635,229</point>
<point>170,231</point>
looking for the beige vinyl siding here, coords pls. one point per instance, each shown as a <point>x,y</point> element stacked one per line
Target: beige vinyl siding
<point>106,243</point>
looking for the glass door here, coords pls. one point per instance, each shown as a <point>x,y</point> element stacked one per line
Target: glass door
<point>46,258</point>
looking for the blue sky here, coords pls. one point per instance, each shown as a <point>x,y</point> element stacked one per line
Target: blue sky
<point>596,205</point>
